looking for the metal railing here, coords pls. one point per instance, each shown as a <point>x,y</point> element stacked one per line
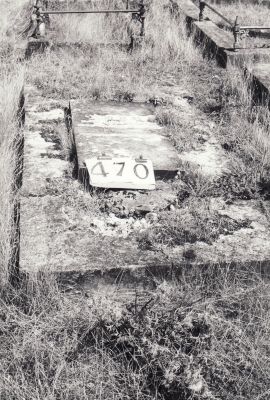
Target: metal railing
<point>238,31</point>
<point>41,16</point>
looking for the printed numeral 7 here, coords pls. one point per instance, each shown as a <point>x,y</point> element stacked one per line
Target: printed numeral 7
<point>120,173</point>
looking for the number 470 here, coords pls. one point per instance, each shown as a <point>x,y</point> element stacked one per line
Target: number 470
<point>120,172</point>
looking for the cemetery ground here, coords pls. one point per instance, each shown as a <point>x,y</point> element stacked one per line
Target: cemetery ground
<point>204,335</point>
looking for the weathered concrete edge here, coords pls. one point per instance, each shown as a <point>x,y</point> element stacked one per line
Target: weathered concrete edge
<point>147,278</point>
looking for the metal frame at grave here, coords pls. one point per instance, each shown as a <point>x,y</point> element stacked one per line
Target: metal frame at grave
<point>238,31</point>
<point>42,17</point>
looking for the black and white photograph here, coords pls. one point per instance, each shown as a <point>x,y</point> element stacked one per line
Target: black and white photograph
<point>134,200</point>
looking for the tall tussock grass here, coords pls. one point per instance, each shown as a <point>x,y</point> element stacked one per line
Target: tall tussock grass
<point>243,122</point>
<point>10,135</point>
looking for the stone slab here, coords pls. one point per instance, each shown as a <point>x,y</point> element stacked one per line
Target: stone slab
<point>120,130</point>
<point>189,8</point>
<point>52,241</point>
<point>243,57</point>
<point>57,236</point>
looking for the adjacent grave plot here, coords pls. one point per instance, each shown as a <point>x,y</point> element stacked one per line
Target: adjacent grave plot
<point>249,31</point>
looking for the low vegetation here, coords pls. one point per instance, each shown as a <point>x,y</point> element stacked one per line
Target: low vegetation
<point>203,334</point>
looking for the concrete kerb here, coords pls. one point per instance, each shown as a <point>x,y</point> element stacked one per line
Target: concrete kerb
<point>144,280</point>
<point>36,46</point>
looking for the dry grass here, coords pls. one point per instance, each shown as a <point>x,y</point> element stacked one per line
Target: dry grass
<point>9,135</point>
<point>97,65</point>
<point>204,336</point>
<point>244,131</point>
<point>248,14</point>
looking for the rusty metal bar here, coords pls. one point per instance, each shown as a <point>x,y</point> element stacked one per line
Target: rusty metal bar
<point>203,4</point>
<point>90,12</point>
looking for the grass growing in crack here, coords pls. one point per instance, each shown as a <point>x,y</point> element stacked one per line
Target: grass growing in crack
<point>242,128</point>
<point>196,221</point>
<point>245,136</point>
<point>179,130</point>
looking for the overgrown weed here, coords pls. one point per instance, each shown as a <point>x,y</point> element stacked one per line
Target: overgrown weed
<point>194,222</point>
<point>243,132</point>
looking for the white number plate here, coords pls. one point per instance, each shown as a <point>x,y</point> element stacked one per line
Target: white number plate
<point>121,173</point>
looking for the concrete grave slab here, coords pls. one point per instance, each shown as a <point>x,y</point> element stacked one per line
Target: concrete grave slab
<point>120,130</point>
<point>92,240</point>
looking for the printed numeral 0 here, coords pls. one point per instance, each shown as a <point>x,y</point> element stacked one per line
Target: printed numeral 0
<point>136,172</point>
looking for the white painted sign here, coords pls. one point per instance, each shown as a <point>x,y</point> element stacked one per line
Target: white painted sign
<point>121,173</point>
